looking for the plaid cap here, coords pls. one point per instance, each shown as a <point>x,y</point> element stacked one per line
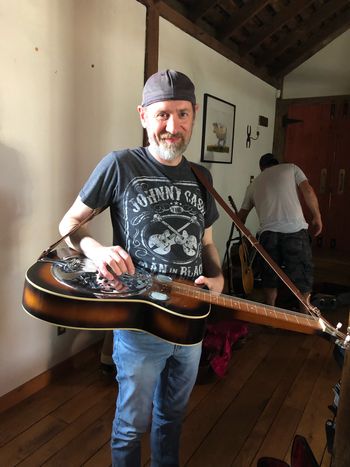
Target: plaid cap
<point>168,85</point>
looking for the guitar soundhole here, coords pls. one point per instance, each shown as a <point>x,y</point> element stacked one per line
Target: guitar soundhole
<point>80,273</point>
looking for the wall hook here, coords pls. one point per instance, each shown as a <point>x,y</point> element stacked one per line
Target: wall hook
<point>250,137</point>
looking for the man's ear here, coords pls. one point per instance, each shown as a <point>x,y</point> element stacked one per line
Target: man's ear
<point>142,112</point>
<point>195,110</point>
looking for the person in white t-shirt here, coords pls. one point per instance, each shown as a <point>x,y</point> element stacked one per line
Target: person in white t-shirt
<point>283,230</point>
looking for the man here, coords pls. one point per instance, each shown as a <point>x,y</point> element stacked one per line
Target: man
<point>283,229</point>
<point>162,222</point>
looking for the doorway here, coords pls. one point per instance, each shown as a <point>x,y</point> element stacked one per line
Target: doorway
<point>315,135</point>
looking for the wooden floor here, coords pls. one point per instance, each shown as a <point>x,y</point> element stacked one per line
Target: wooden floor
<point>279,383</point>
<point>332,266</point>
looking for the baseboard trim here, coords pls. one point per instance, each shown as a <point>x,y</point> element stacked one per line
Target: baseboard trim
<point>39,382</point>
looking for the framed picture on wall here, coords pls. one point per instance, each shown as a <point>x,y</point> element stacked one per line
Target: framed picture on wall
<point>218,130</point>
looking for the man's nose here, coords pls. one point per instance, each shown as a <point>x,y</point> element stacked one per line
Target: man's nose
<point>173,124</point>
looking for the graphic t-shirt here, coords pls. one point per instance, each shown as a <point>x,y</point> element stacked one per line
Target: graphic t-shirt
<point>158,212</point>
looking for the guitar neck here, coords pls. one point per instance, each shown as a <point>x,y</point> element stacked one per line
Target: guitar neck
<point>254,312</point>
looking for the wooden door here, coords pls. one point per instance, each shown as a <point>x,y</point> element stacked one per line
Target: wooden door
<point>340,182</point>
<point>317,139</point>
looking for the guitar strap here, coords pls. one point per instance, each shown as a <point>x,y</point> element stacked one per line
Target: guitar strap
<point>238,223</point>
<point>254,242</point>
<point>90,216</point>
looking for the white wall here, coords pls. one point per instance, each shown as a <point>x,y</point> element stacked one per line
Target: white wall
<point>72,74</point>
<point>327,73</point>
<point>58,116</point>
<point>252,97</point>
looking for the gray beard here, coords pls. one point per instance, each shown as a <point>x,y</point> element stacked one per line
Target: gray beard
<point>168,153</point>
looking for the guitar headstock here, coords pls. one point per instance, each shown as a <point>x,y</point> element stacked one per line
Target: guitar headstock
<point>341,339</point>
<point>344,340</point>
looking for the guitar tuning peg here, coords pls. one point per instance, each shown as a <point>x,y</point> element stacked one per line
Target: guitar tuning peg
<point>339,325</point>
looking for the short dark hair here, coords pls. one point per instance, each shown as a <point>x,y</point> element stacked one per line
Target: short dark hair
<point>267,160</point>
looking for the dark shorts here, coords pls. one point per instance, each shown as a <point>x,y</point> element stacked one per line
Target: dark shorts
<point>292,252</point>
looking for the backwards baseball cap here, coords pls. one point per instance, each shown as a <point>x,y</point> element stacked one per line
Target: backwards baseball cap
<point>267,160</point>
<point>168,85</point>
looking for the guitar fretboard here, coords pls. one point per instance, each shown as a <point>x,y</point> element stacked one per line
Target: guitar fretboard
<point>254,312</point>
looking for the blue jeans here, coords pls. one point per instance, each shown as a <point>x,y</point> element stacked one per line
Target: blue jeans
<point>155,381</point>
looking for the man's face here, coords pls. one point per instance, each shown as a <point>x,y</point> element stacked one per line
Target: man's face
<point>169,128</point>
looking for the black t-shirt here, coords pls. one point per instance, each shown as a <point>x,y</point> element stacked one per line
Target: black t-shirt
<point>158,212</point>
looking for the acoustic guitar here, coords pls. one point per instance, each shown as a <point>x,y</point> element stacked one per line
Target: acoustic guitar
<point>69,293</point>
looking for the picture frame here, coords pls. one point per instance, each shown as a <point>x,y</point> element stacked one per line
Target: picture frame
<point>217,130</point>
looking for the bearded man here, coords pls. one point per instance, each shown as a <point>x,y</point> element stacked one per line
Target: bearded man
<point>162,222</point>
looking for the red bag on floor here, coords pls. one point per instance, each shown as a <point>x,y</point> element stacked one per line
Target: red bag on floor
<point>218,342</point>
<point>301,456</point>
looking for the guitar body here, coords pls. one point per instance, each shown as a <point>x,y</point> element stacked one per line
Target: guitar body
<point>69,293</point>
<point>155,307</point>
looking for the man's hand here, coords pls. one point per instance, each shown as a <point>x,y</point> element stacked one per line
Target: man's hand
<point>316,224</point>
<point>215,284</point>
<point>111,261</point>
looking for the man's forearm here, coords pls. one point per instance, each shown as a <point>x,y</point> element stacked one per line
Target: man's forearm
<point>243,214</point>
<point>311,201</point>
<point>79,240</point>
<point>211,261</point>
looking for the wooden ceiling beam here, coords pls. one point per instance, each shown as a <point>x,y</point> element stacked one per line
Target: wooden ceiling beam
<point>148,3</point>
<point>278,21</point>
<point>200,9</point>
<point>312,23</point>
<point>183,23</point>
<point>322,24</point>
<point>244,14</point>
<point>315,43</point>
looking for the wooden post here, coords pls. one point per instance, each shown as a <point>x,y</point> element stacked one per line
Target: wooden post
<point>152,45</point>
<point>341,457</point>
<point>152,40</point>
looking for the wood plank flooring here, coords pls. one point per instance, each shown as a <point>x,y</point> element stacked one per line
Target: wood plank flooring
<point>279,383</point>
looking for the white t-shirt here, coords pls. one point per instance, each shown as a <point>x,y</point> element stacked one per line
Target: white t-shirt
<point>275,197</point>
